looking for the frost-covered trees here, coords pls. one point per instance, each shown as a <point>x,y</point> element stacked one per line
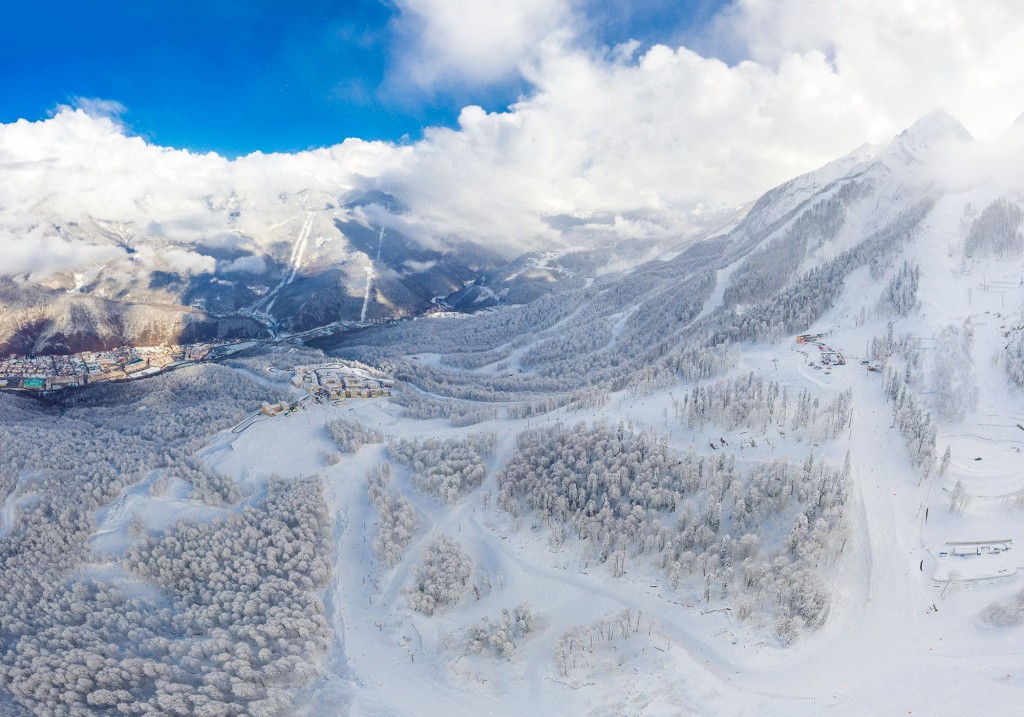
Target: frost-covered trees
<point>697,363</point>
<point>900,295</point>
<point>441,578</point>
<point>625,496</point>
<point>951,373</point>
<point>200,655</point>
<point>276,364</point>
<point>889,345</point>
<point>499,638</point>
<point>1014,355</point>
<point>424,407</point>
<point>578,338</point>
<point>350,435</point>
<point>767,269</point>
<point>474,359</point>
<point>799,304</point>
<point>1008,613</point>
<point>959,499</point>
<point>472,334</point>
<point>396,518</point>
<point>581,652</point>
<point>996,231</point>
<point>915,425</point>
<point>447,469</point>
<point>232,619</point>
<point>751,401</point>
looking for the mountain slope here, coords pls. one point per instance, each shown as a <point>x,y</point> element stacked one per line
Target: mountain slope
<point>906,259</point>
<point>773,471</point>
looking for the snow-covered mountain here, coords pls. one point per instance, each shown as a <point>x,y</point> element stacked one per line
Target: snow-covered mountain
<point>775,470</point>
<point>93,221</point>
<point>289,264</point>
<point>295,263</point>
<point>905,261</point>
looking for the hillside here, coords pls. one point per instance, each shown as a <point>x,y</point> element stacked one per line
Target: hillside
<point>639,493</point>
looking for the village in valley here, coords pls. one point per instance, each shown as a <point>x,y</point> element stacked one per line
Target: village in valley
<point>51,373</point>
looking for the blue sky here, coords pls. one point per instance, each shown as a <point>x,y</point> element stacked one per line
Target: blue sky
<point>236,76</point>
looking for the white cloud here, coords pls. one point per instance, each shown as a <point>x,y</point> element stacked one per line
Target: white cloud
<point>37,254</point>
<point>415,267</point>
<point>896,59</point>
<point>654,139</point>
<point>667,133</point>
<point>97,107</point>
<point>76,167</point>
<point>183,261</point>
<point>251,264</point>
<point>455,42</point>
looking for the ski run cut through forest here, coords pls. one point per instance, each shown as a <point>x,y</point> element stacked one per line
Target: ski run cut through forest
<point>776,470</point>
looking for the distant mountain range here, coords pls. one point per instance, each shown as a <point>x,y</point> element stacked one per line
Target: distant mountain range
<point>310,258</point>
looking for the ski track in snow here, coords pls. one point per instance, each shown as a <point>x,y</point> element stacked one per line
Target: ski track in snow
<point>369,276</point>
<point>300,247</point>
<point>8,512</point>
<point>294,261</point>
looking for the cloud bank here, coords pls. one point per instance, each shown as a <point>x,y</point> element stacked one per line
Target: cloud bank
<point>630,140</point>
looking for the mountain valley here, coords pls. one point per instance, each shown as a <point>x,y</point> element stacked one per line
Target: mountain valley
<point>769,467</point>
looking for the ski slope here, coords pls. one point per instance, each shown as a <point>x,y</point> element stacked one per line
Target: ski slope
<point>370,275</point>
<point>903,633</point>
<point>294,263</point>
<point>896,642</point>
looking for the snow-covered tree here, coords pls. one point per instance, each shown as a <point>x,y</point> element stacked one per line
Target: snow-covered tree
<point>396,518</point>
<point>951,373</point>
<point>441,578</point>
<point>350,435</point>
<point>447,469</point>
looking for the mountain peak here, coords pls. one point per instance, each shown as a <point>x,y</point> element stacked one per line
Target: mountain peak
<point>932,130</point>
<point>938,123</point>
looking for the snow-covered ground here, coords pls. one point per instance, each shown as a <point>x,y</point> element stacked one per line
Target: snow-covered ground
<point>156,502</point>
<point>903,633</point>
<point>897,640</point>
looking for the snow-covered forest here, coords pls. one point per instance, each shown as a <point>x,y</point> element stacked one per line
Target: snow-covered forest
<point>751,401</point>
<point>446,469</point>
<point>628,497</point>
<point>195,618</point>
<point>396,517</point>
<point>351,436</point>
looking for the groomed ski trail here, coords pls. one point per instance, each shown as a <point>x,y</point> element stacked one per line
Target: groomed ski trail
<point>369,276</point>
<point>295,261</point>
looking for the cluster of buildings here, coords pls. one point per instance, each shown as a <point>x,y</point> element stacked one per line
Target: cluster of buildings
<point>334,382</point>
<point>338,381</point>
<point>275,409</point>
<point>829,356</point>
<point>48,373</point>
